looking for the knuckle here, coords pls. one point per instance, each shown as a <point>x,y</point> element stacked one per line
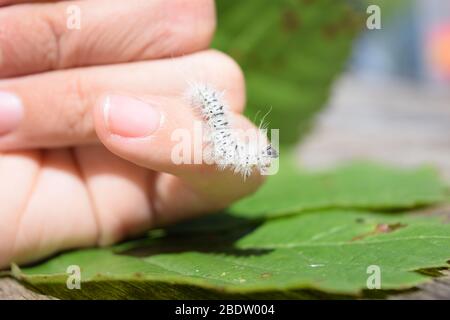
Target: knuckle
<point>14,39</point>
<point>53,40</point>
<point>191,23</point>
<point>8,28</point>
<point>78,119</point>
<point>15,45</point>
<point>7,34</point>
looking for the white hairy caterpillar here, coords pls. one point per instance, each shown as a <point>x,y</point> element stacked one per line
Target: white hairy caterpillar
<point>226,149</point>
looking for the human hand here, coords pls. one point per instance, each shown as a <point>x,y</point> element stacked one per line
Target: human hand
<point>77,171</point>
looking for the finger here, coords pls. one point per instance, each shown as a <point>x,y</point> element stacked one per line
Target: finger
<point>161,124</point>
<point>103,198</point>
<point>36,238</point>
<point>119,193</point>
<point>81,33</point>
<point>18,172</point>
<point>146,132</point>
<point>56,112</point>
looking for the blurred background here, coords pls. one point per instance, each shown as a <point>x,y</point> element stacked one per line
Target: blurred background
<point>340,91</point>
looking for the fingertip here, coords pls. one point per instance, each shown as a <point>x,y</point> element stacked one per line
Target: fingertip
<point>127,116</point>
<point>128,126</point>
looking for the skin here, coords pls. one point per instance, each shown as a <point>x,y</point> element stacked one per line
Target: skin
<point>66,180</point>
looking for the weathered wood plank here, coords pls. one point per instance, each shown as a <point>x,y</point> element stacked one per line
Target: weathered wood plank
<point>390,122</point>
<point>439,289</point>
<point>12,290</point>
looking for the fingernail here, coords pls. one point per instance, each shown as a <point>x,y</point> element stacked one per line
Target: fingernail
<point>11,112</point>
<point>129,117</point>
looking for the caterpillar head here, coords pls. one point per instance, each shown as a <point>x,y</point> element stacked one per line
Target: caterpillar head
<point>270,152</point>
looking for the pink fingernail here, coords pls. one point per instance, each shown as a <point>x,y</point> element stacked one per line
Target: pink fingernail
<point>11,112</point>
<point>129,117</point>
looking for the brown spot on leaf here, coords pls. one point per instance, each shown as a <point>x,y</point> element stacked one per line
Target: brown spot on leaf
<point>291,22</point>
<point>330,31</point>
<point>350,22</point>
<point>380,228</point>
<point>266,275</point>
<point>386,228</point>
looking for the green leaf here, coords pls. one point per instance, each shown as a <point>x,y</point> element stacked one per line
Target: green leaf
<point>290,52</point>
<point>313,254</point>
<point>357,185</point>
<point>241,255</point>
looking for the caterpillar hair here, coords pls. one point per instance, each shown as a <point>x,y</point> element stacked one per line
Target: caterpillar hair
<point>226,149</point>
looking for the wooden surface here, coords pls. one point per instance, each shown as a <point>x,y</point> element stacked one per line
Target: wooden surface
<point>391,122</point>
<point>395,123</point>
<point>12,290</point>
<point>438,289</point>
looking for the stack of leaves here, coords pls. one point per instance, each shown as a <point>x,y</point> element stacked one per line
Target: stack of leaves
<point>302,235</point>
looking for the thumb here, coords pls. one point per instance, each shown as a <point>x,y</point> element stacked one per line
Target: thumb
<point>141,131</point>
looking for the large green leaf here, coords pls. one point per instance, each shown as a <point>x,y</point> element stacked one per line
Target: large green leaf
<point>239,254</point>
<point>290,51</point>
<point>357,185</point>
<point>300,256</point>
